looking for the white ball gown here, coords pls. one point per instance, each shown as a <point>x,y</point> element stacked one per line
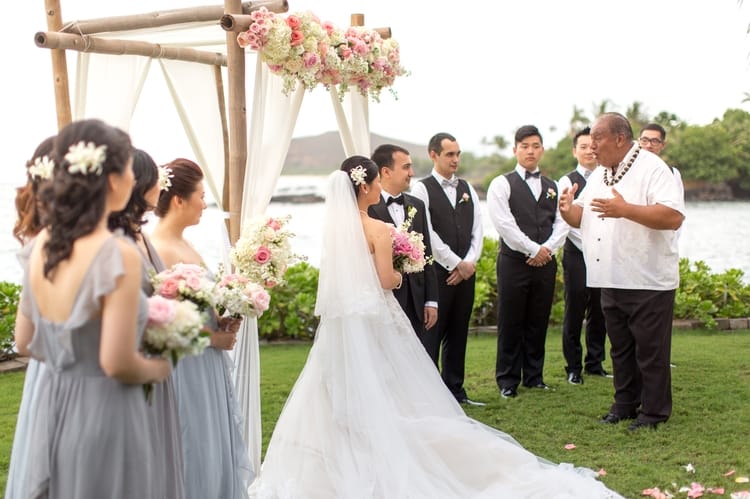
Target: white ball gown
<point>369,416</point>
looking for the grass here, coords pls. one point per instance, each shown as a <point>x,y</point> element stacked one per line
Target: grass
<point>709,427</point>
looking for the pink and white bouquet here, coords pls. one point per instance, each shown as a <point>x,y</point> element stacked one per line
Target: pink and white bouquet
<point>237,296</point>
<point>408,247</point>
<point>264,252</point>
<point>185,281</point>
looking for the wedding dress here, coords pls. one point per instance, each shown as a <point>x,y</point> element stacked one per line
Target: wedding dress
<point>369,416</point>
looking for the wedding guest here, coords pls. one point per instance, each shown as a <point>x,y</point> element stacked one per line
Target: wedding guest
<point>82,312</point>
<point>456,238</point>
<point>216,464</point>
<point>628,214</point>
<point>523,208</point>
<point>580,301</point>
<point>419,293</point>
<point>164,422</point>
<point>27,226</point>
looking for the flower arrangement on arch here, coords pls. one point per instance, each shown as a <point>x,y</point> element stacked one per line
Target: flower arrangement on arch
<point>264,252</point>
<point>408,247</point>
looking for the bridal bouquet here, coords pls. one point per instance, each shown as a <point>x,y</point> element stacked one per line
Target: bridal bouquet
<point>237,296</point>
<point>263,252</point>
<point>174,330</point>
<point>185,281</point>
<point>408,247</point>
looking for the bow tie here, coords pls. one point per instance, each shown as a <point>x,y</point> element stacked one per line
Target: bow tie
<point>529,174</point>
<point>397,199</point>
<point>452,182</point>
<point>586,174</point>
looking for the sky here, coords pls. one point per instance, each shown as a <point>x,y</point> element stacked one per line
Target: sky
<point>476,71</point>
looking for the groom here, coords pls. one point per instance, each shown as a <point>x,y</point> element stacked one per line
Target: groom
<point>419,292</point>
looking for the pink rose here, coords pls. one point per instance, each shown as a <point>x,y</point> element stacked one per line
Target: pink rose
<point>293,22</point>
<point>296,39</point>
<point>160,310</point>
<point>169,288</point>
<point>261,299</point>
<point>310,59</point>
<point>193,282</point>
<point>329,27</point>
<point>269,283</point>
<point>263,255</point>
<point>273,223</point>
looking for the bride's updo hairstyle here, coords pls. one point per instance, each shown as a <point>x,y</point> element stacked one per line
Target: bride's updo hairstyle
<point>365,171</point>
<point>185,176</point>
<point>86,152</point>
<point>29,221</point>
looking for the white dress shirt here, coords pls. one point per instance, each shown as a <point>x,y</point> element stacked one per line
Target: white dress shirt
<point>498,196</point>
<point>574,234</point>
<point>440,250</point>
<point>396,210</point>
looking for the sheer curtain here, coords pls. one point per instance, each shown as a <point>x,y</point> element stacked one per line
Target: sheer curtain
<point>352,116</point>
<point>269,134</point>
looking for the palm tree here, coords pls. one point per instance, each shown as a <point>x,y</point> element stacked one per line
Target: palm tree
<point>577,121</point>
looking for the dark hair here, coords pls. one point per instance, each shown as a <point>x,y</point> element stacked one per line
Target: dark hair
<point>436,142</point>
<point>618,124</point>
<point>527,131</point>
<point>371,170</point>
<point>581,133</point>
<point>75,202</point>
<point>29,221</point>
<point>131,219</point>
<point>383,155</point>
<point>186,175</point>
<point>656,128</point>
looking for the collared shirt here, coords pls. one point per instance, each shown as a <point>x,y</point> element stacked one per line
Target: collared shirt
<point>623,254</point>
<point>574,234</point>
<point>505,224</point>
<point>440,250</point>
<point>396,210</point>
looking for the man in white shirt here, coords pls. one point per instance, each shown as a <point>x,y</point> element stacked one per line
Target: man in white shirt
<point>523,208</point>
<point>455,220</point>
<point>628,214</point>
<point>580,300</point>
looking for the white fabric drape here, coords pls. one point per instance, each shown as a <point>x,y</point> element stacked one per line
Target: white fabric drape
<point>270,132</point>
<point>352,116</point>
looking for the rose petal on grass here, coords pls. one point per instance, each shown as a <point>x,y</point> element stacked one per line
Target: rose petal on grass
<point>602,472</point>
<point>729,473</point>
<point>719,491</point>
<point>570,446</point>
<point>742,494</point>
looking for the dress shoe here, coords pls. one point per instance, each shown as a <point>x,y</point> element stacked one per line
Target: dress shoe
<point>509,392</point>
<point>637,425</point>
<point>540,386</point>
<point>599,372</point>
<point>612,418</point>
<point>575,379</point>
<point>468,401</point>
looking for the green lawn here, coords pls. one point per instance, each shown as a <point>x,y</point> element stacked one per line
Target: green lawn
<point>709,427</point>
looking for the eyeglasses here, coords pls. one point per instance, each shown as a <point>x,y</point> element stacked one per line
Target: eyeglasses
<point>654,141</point>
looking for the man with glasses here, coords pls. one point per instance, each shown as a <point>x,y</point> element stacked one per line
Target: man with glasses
<point>653,138</point>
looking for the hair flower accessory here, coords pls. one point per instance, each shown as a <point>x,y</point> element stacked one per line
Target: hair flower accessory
<point>42,168</point>
<point>165,178</point>
<point>358,175</point>
<point>464,198</point>
<point>551,194</point>
<point>85,158</point>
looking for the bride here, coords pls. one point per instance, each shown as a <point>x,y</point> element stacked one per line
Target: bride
<point>369,416</point>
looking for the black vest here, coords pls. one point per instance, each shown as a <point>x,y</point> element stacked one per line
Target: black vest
<point>534,218</point>
<point>453,225</point>
<point>575,178</point>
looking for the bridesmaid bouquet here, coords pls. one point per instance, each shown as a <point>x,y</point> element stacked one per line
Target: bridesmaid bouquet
<point>185,281</point>
<point>236,296</point>
<point>263,252</point>
<point>408,247</point>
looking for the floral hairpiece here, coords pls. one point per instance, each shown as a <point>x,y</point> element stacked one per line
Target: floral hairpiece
<point>358,175</point>
<point>165,178</point>
<point>42,168</point>
<point>85,158</point>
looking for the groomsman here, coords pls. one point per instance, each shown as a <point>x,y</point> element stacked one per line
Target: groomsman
<point>523,207</point>
<point>418,294</point>
<point>456,238</point>
<point>580,300</point>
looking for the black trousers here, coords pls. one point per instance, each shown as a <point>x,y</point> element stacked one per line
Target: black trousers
<point>449,335</point>
<point>525,295</point>
<point>581,302</point>
<point>639,325</point>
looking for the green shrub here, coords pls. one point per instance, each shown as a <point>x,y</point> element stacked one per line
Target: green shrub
<point>705,296</point>
<point>484,312</point>
<point>9,295</point>
<point>290,314</point>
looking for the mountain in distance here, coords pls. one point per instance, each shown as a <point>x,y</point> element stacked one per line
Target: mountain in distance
<point>322,154</point>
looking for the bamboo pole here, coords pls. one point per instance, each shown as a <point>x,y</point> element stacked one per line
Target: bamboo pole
<point>167,18</point>
<point>65,41</point>
<point>218,78</point>
<point>237,125</point>
<point>59,67</point>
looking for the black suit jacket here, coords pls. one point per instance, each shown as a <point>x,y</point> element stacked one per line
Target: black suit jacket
<point>421,286</point>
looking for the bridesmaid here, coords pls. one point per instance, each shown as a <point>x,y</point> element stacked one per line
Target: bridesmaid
<point>27,226</point>
<point>215,457</point>
<point>82,311</point>
<point>166,440</point>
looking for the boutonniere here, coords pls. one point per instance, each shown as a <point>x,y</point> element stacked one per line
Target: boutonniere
<point>551,194</point>
<point>464,198</point>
